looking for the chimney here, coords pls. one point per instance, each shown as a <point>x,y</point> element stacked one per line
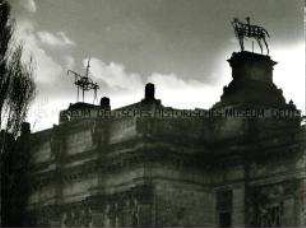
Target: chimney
<point>25,128</point>
<point>149,92</point>
<point>105,103</point>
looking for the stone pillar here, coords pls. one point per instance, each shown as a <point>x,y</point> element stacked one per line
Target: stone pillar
<point>238,213</point>
<point>302,203</point>
<point>288,216</point>
<point>99,219</point>
<point>58,144</point>
<point>145,215</point>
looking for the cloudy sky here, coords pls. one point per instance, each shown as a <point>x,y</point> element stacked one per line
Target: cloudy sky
<point>180,45</point>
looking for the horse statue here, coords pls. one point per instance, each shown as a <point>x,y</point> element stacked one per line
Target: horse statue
<point>246,30</point>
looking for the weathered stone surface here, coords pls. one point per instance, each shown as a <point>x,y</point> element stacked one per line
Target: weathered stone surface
<point>152,166</point>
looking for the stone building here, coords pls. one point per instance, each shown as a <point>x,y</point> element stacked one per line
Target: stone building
<point>240,163</point>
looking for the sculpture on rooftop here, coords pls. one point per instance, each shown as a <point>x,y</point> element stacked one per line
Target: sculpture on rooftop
<point>246,30</point>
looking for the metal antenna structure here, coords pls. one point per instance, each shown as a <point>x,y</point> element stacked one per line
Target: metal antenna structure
<point>84,82</point>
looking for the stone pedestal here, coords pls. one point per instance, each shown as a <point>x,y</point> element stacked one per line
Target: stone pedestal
<point>252,82</point>
<point>247,65</point>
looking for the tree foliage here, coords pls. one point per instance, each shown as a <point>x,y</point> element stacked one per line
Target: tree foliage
<point>20,92</point>
<point>17,90</point>
<point>5,36</point>
<point>17,87</point>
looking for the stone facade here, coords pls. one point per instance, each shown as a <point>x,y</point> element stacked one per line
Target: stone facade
<point>150,165</point>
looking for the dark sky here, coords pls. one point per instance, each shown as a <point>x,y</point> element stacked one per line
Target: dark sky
<point>181,45</point>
